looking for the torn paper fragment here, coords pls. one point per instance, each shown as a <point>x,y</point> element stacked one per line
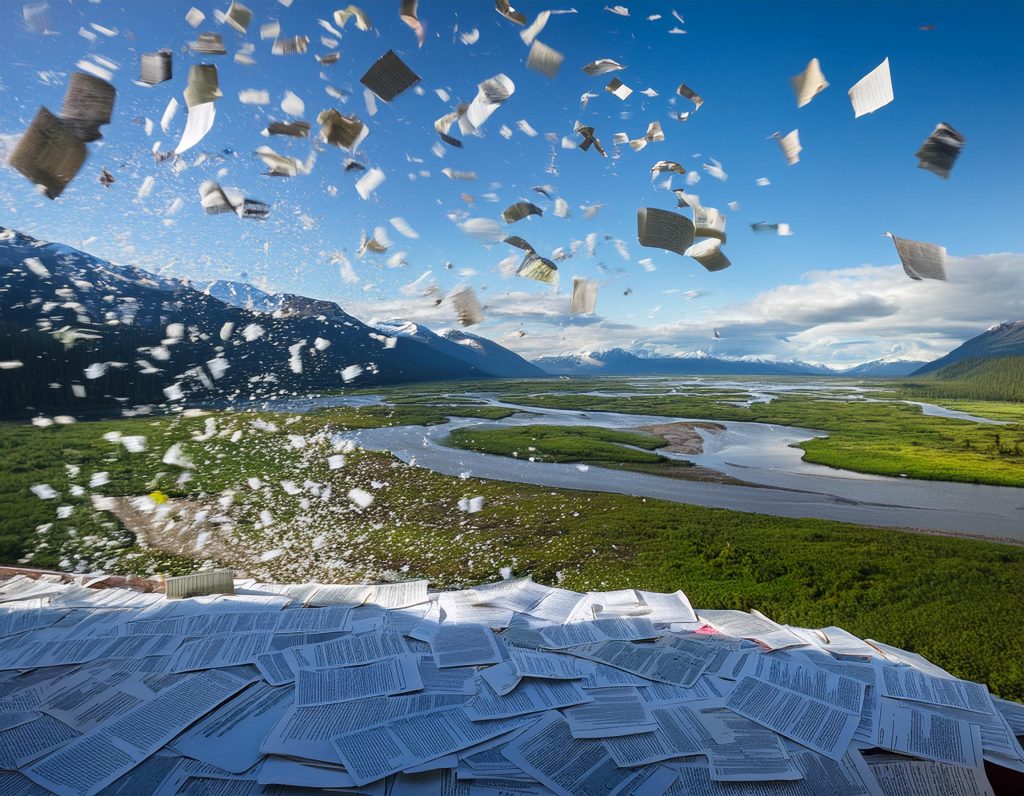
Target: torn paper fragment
<point>407,13</point>
<point>618,88</point>
<point>342,17</point>
<point>602,66</point>
<point>389,77</point>
<point>921,260</point>
<point>584,296</point>
<point>292,104</point>
<point>48,154</point>
<point>544,59</point>
<point>270,30</point>
<point>873,91</point>
<point>790,145</point>
<point>663,229</point>
<point>940,151</point>
<point>709,254</point>
<point>369,182</point>
<point>809,83</point>
<point>253,96</point>
<point>715,170</point>
<point>169,111</point>
<point>155,67</point>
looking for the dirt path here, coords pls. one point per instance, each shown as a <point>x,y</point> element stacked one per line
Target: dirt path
<point>682,437</point>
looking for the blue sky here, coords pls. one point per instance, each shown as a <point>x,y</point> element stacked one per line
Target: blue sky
<point>828,293</point>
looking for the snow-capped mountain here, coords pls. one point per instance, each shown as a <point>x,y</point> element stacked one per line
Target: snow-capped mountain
<point>619,362</point>
<point>484,355</point>
<point>88,333</point>
<point>884,367</point>
<point>1003,340</point>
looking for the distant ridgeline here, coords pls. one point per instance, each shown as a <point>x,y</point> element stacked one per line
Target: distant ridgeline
<point>80,334</point>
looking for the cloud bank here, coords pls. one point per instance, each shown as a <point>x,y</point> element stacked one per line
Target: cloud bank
<point>836,317</point>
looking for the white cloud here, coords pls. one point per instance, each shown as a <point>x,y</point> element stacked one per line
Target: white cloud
<point>838,317</point>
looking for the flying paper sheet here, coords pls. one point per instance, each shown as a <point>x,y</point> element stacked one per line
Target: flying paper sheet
<point>199,123</point>
<point>369,182</point>
<point>666,165</point>
<point>790,145</point>
<point>467,308</point>
<point>503,8</point>
<point>49,153</point>
<point>293,129</point>
<point>342,17</point>
<point>602,66</point>
<point>685,91</point>
<point>389,77</point>
<point>809,83</point>
<point>208,43</point>
<point>519,211</point>
<point>291,45</point>
<point>88,104</point>
<point>344,131</point>
<point>921,260</point>
<point>490,94</point>
<point>589,139</point>
<point>544,59</point>
<point>539,268</point>
<point>940,151</point>
<point>156,67</point>
<point>238,16</point>
<point>663,229</point>
<point>584,296</point>
<point>407,13</point>
<point>709,223</point>
<point>203,86</point>
<point>618,88</point>
<point>873,91</point>
<point>709,254</point>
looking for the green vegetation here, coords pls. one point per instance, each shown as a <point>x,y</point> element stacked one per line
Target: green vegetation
<point>587,444</point>
<point>870,437</point>
<point>957,601</point>
<point>995,379</point>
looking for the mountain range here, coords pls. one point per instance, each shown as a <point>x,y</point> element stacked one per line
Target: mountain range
<point>80,332</point>
<point>1003,340</point>
<point>88,333</point>
<point>619,362</point>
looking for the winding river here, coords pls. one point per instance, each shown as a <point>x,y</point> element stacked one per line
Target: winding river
<point>761,455</point>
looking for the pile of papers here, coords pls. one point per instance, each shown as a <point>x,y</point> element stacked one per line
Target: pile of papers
<point>507,688</point>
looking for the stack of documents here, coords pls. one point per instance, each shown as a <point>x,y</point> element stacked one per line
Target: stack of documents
<point>507,688</point>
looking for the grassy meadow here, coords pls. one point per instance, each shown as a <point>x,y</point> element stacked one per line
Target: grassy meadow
<point>277,510</point>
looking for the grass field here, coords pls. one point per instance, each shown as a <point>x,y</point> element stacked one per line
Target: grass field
<point>587,444</point>
<point>282,513</point>
<point>882,438</point>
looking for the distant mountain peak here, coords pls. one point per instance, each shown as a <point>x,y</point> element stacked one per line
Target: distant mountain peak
<point>1002,340</point>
